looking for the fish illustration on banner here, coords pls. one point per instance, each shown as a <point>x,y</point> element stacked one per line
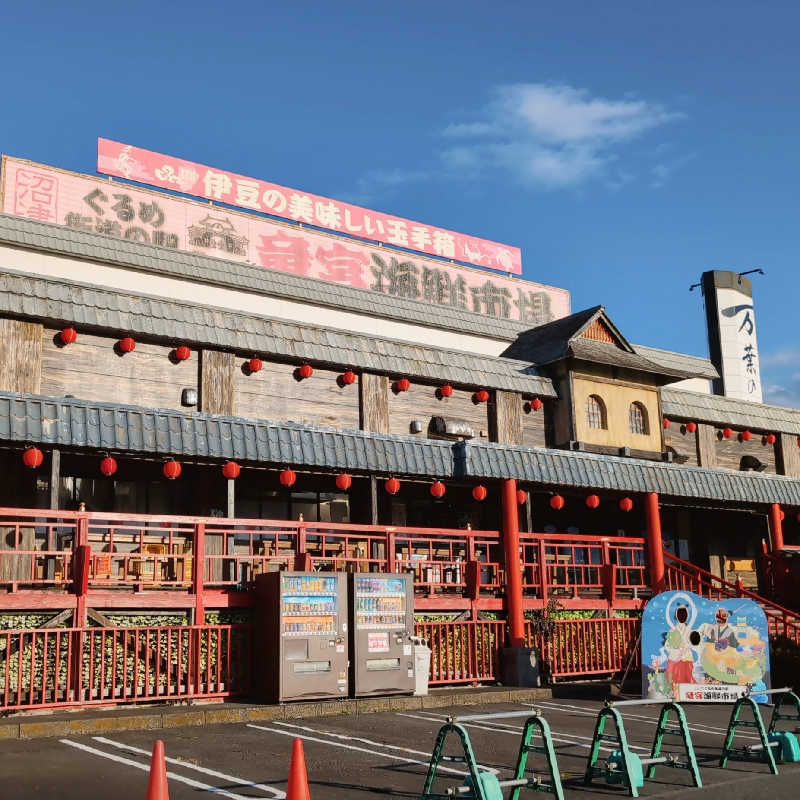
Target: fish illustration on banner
<point>694,649</point>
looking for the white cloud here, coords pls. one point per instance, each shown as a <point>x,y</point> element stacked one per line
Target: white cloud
<point>375,184</point>
<point>788,356</point>
<point>554,135</point>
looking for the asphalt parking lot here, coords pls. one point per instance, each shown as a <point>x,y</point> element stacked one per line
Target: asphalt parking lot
<point>370,755</point>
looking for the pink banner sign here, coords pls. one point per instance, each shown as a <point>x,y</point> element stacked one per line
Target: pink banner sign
<point>95,205</point>
<point>167,172</point>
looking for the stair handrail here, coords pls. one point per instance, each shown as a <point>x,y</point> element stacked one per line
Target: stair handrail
<point>731,589</point>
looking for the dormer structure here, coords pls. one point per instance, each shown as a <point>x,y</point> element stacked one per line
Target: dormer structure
<point>608,393</point>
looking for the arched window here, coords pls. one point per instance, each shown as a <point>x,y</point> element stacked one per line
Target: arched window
<point>596,412</point>
<point>637,419</point>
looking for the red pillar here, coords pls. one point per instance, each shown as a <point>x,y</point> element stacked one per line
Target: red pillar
<point>516,617</point>
<point>775,527</point>
<point>655,545</point>
<point>198,572</point>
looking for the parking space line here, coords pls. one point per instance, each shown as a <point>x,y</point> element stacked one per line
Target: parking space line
<point>146,768</point>
<point>276,793</point>
<point>698,727</point>
<point>558,736</point>
<point>372,752</point>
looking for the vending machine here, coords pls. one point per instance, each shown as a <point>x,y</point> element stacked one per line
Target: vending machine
<point>305,620</point>
<point>381,627</point>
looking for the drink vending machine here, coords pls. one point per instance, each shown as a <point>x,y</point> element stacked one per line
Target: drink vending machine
<point>381,627</point>
<point>305,621</point>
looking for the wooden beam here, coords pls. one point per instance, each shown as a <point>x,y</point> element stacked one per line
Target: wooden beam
<point>787,455</point>
<point>20,356</point>
<point>505,418</point>
<point>373,392</point>
<point>706,445</point>
<point>216,382</point>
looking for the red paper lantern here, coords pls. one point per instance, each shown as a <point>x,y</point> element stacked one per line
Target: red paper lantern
<point>32,457</point>
<point>745,436</point>
<point>481,396</point>
<point>348,377</point>
<point>522,497</point>
<point>254,365</point>
<point>172,469</point>
<point>68,335</point>
<point>446,390</point>
<point>127,345</point>
<point>626,504</point>
<point>592,501</point>
<point>479,493</point>
<point>536,404</point>
<point>287,477</point>
<point>727,433</point>
<point>691,427</point>
<point>183,353</point>
<point>344,481</point>
<point>666,423</point>
<point>108,466</point>
<point>392,486</point>
<point>305,370</point>
<point>438,489</point>
<point>402,384</point>
<point>770,438</point>
<point>557,502</point>
<point>231,470</point>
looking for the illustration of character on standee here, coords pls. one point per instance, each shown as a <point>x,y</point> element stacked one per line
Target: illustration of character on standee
<point>680,654</point>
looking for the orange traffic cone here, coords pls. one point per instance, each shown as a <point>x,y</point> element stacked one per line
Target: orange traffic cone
<point>298,777</point>
<point>157,788</point>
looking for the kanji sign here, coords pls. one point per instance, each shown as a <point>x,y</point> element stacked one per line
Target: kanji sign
<point>92,204</point>
<point>167,172</point>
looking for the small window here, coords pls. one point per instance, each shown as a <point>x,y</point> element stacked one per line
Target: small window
<point>596,412</point>
<point>637,419</point>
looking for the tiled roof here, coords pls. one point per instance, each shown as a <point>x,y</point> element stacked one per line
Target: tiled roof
<point>232,274</point>
<point>59,301</point>
<point>729,411</point>
<point>70,423</point>
<point>696,365</point>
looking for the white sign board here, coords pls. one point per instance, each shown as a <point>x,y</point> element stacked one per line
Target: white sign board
<point>738,344</point>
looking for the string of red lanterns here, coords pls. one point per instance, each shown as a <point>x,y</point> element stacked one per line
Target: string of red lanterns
<point>254,365</point>
<point>625,504</point>
<point>287,477</point>
<point>481,396</point>
<point>557,502</point>
<point>127,345</point>
<point>348,377</point>
<point>445,390</point>
<point>32,457</point>
<point>392,486</point>
<point>592,501</point>
<point>305,371</point>
<point>402,385</point>
<point>108,466</point>
<point>183,353</point>
<point>344,481</point>
<point>438,489</point>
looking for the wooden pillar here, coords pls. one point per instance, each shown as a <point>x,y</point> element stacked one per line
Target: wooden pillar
<point>706,445</point>
<point>198,573</point>
<point>231,497</point>
<point>373,499</point>
<point>655,544</point>
<point>787,455</point>
<point>505,418</point>
<point>513,587</point>
<point>373,395</point>
<point>216,382</point>
<point>775,528</point>
<point>55,479</point>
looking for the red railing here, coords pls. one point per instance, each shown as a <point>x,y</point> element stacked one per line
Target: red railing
<point>61,667</point>
<point>683,575</point>
<point>582,565</point>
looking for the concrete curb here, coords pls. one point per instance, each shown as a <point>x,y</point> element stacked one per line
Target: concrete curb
<point>220,714</point>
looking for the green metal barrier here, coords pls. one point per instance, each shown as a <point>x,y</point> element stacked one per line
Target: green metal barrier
<point>748,752</point>
<point>625,766</point>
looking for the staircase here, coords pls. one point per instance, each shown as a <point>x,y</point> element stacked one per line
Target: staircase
<point>680,574</point>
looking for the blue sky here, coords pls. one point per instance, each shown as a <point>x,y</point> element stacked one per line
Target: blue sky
<point>625,147</point>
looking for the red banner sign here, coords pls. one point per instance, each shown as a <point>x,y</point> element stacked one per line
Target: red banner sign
<point>167,172</point>
<point>92,204</point>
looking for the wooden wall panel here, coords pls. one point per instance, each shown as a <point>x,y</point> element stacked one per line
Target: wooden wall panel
<point>275,394</point>
<point>505,418</point>
<point>91,369</point>
<point>20,356</point>
<point>421,403</point>
<point>729,452</point>
<point>217,393</point>
<point>682,442</point>
<point>374,398</point>
<point>787,454</point>
<point>534,426</point>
